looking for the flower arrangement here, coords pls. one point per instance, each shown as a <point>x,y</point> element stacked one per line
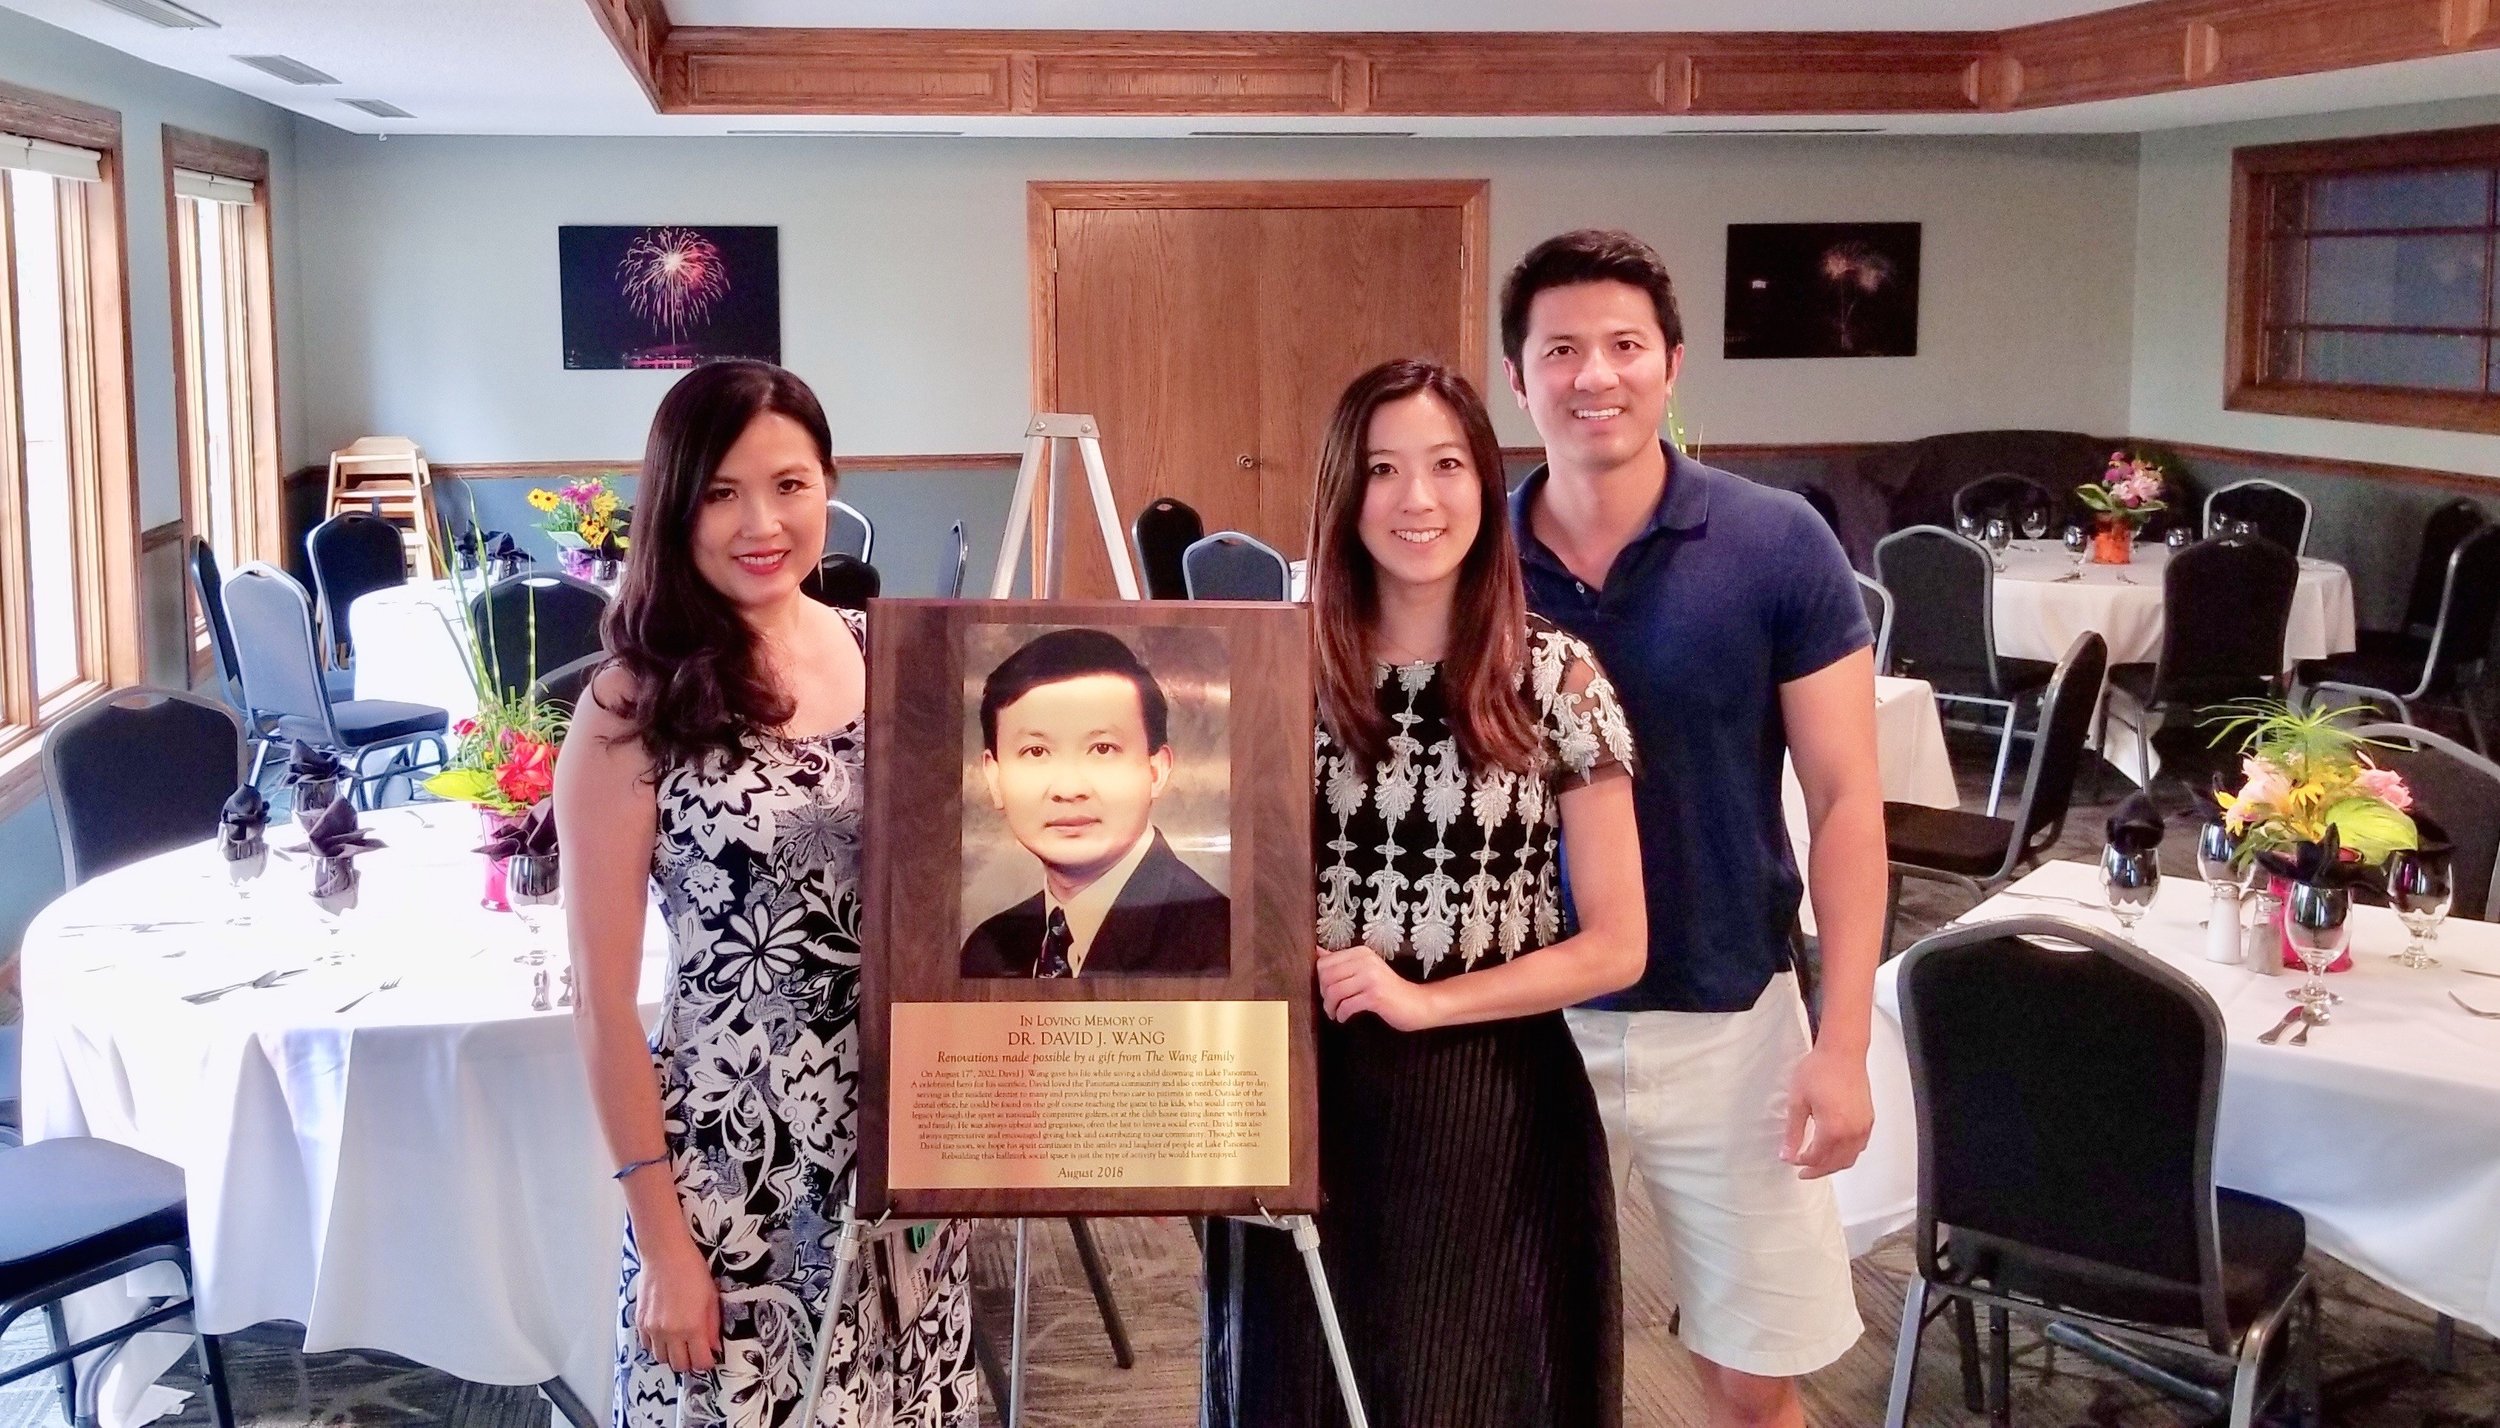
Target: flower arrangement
<point>2131,489</point>
<point>2304,774</point>
<point>589,508</point>
<point>505,759</point>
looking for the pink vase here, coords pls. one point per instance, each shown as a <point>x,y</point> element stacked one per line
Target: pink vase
<point>2281,890</point>
<point>496,898</point>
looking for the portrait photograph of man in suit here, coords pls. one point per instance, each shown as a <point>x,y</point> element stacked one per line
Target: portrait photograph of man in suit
<point>1078,763</point>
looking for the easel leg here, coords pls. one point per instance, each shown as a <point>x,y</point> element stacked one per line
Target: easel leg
<point>845,1263</point>
<point>1306,1239</point>
<point>1015,1345</point>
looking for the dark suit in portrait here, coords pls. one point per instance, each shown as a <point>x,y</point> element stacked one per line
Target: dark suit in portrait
<point>1167,922</point>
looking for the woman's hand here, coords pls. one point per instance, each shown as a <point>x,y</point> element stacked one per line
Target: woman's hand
<point>677,1306</point>
<point>1357,980</point>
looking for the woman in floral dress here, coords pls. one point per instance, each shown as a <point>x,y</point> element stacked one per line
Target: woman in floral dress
<point>1468,1219</point>
<point>718,755</point>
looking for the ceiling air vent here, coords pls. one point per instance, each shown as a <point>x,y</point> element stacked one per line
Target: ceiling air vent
<point>288,68</point>
<point>161,12</point>
<point>378,108</point>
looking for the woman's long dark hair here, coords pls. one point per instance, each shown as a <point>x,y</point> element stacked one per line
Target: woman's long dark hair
<point>695,683</point>
<point>1488,620</point>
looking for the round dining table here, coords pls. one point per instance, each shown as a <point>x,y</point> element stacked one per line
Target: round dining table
<point>412,644</point>
<point>2383,1129</point>
<point>2045,597</point>
<point>381,1115</point>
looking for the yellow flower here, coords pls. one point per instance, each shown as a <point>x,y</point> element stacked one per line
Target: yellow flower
<point>542,498</point>
<point>606,504</point>
<point>594,531</point>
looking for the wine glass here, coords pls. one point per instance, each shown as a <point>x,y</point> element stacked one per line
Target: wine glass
<point>2129,879</point>
<point>2178,538</point>
<point>2217,853</point>
<point>2316,921</point>
<point>530,883</point>
<point>2035,522</point>
<point>2078,543</point>
<point>1999,534</point>
<point>2420,885</point>
<point>1967,522</point>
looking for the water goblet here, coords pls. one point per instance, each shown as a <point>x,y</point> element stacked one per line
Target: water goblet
<point>2420,885</point>
<point>2078,543</point>
<point>2178,538</point>
<point>2316,920</point>
<point>1967,522</point>
<point>2129,879</point>
<point>2035,522</point>
<point>531,882</point>
<point>1999,534</point>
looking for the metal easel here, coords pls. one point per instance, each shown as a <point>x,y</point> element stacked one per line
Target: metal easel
<point>1041,470</point>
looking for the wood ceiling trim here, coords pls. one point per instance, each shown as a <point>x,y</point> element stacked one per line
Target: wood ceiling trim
<point>2143,49</point>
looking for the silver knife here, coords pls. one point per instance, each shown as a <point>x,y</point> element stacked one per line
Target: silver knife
<point>2290,1018</point>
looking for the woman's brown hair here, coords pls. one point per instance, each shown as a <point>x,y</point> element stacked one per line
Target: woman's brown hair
<point>1488,620</point>
<point>695,682</point>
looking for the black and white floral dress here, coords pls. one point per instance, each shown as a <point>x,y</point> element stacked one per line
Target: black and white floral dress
<point>1468,1219</point>
<point>757,866</point>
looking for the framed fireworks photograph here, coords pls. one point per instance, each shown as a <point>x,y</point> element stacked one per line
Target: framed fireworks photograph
<point>1086,950</point>
<point>1822,289</point>
<point>668,297</point>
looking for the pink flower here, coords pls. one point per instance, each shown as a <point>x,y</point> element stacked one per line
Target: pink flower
<point>2267,785</point>
<point>2385,785</point>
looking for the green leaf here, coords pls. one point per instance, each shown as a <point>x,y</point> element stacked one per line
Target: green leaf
<point>466,786</point>
<point>2371,828</point>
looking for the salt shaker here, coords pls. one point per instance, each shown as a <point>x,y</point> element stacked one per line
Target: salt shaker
<point>2262,947</point>
<point>2216,848</point>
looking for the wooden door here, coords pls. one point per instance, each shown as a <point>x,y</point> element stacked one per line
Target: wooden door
<point>1210,329</point>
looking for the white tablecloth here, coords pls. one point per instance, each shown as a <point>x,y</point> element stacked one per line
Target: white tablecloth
<point>2038,615</point>
<point>410,645</point>
<point>1910,751</point>
<point>421,1174</point>
<point>2384,1130</point>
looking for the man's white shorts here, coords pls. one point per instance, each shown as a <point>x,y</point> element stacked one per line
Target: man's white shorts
<point>1695,1104</point>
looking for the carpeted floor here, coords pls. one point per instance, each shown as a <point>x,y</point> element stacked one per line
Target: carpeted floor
<point>1073,1383</point>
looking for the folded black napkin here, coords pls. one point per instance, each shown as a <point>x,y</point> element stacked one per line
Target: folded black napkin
<point>470,546</point>
<point>336,840</point>
<point>2135,824</point>
<point>505,552</point>
<point>241,822</point>
<point>2319,862</point>
<point>534,836</point>
<point>311,763</point>
<point>611,546</point>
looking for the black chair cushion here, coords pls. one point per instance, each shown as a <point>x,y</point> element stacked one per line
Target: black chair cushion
<point>69,1205</point>
<point>2262,1244</point>
<point>2384,660</point>
<point>2016,678</point>
<point>371,721</point>
<point>1946,839</point>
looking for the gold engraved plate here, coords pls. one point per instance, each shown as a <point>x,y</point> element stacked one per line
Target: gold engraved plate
<point>1028,1095</point>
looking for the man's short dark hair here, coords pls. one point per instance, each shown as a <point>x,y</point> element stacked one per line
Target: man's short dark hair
<point>1072,654</point>
<point>1587,255</point>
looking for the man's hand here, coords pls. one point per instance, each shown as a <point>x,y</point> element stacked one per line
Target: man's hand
<point>1356,980</point>
<point>1830,1113</point>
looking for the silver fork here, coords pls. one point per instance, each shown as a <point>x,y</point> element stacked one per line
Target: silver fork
<point>2469,1006</point>
<point>351,1006</point>
<point>262,982</point>
<point>2274,1035</point>
<point>2301,1037</point>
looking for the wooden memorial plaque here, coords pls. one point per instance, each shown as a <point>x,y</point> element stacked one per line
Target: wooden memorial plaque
<point>1085,979</point>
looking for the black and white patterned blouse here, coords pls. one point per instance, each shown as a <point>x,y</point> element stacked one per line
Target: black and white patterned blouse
<point>1426,860</point>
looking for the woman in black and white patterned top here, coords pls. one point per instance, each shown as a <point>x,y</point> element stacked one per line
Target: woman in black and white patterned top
<point>1468,1223</point>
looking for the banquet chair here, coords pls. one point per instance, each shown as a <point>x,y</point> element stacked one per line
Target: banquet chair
<point>843,580</point>
<point>273,641</point>
<point>848,531</point>
<point>2442,532</point>
<point>2457,789</point>
<point>532,623</point>
<point>1943,587</point>
<point>1229,565</point>
<point>1980,853</point>
<point>2004,495</point>
<point>1162,533</point>
<point>2443,668</point>
<point>1821,500</point>
<point>950,581</point>
<point>137,772</point>
<point>2278,512</point>
<point>1878,618</point>
<point>351,554</point>
<point>2226,603</point>
<point>564,686</point>
<point>2067,1086</point>
<point>78,1212</point>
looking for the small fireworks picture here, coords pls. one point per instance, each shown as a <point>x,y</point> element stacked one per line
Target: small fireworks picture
<point>668,296</point>
<point>1822,289</point>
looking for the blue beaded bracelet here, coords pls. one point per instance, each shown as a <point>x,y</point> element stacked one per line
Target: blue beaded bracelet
<point>639,1164</point>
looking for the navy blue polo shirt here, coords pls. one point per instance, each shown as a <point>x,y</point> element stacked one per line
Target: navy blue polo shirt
<point>1730,591</point>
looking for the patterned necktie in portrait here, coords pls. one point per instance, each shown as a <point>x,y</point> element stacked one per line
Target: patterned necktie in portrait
<point>1056,941</point>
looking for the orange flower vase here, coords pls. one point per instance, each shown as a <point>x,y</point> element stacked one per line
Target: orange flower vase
<point>2113,542</point>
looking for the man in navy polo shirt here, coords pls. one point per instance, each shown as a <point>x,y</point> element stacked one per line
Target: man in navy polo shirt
<point>1729,621</point>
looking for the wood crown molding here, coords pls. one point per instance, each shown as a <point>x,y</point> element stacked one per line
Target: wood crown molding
<point>2142,49</point>
<point>208,154</point>
<point>846,465</point>
<point>33,114</point>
